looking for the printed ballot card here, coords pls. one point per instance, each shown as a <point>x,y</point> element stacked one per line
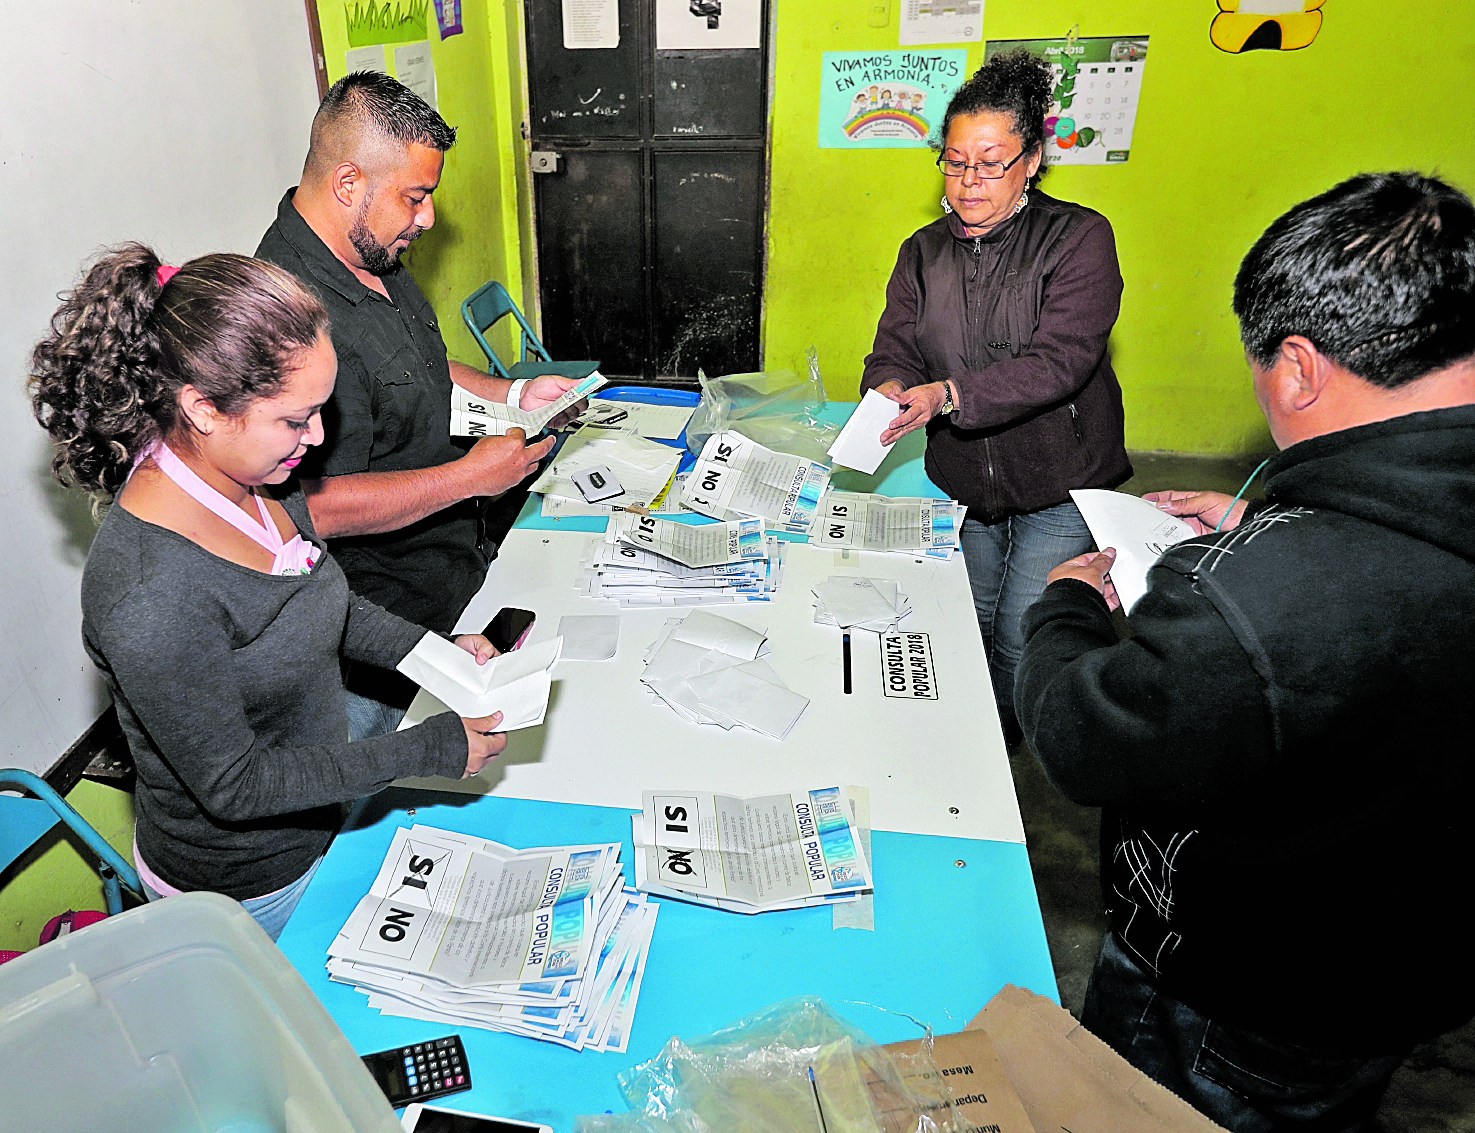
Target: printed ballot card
<point>752,855</point>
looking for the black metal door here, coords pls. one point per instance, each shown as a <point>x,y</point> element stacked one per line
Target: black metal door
<point>650,218</point>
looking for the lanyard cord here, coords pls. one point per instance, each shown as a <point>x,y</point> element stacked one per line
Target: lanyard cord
<point>1245,487</point>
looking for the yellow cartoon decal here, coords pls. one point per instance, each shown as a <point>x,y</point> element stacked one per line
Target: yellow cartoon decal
<point>1273,25</point>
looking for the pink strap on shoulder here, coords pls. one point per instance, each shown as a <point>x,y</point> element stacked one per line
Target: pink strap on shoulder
<point>265,532</point>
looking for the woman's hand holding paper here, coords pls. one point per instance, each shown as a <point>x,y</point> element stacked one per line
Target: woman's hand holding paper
<point>483,742</point>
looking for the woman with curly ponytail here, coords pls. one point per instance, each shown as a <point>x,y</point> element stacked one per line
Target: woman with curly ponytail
<point>186,397</point>
<point>994,339</point>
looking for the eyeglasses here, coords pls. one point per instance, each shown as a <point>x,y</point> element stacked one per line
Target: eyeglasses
<point>987,170</point>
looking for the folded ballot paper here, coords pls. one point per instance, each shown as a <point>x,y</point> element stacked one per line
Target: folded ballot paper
<point>755,855</point>
<point>875,604</point>
<point>910,525</point>
<point>711,670</point>
<point>1136,528</point>
<point>472,416</point>
<point>707,545</point>
<point>859,444</point>
<point>643,468</point>
<point>461,930</point>
<point>637,578</point>
<point>515,684</point>
<point>735,477</point>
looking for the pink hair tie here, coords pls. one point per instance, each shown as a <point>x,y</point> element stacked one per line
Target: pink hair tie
<point>164,274</point>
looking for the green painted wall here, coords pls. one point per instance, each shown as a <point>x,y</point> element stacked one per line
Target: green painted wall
<point>476,235</point>
<point>53,877</point>
<point>1223,144</point>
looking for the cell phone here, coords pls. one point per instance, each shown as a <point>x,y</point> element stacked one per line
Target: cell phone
<point>421,1071</point>
<point>509,628</point>
<point>434,1119</point>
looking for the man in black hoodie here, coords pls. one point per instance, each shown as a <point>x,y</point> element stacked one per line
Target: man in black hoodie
<point>1282,747</point>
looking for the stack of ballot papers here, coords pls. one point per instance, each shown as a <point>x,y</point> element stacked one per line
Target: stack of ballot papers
<point>515,684</point>
<point>710,544</point>
<point>711,670</point>
<point>875,604</point>
<point>461,930</point>
<point>910,525</point>
<point>643,468</point>
<point>750,855</point>
<point>735,477</point>
<point>472,416</point>
<point>637,578</point>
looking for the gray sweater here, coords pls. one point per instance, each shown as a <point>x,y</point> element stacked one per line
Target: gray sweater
<point>227,686</point>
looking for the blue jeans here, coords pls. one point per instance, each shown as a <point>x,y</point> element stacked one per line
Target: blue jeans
<point>1244,1081</point>
<point>376,700</point>
<point>1007,564</point>
<point>271,910</point>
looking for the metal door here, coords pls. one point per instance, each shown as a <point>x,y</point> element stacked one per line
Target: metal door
<point>650,212</point>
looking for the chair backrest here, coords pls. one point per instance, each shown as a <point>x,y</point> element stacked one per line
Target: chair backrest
<point>26,820</point>
<point>481,310</point>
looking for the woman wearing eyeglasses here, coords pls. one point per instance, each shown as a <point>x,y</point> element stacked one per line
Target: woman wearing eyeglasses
<point>994,338</point>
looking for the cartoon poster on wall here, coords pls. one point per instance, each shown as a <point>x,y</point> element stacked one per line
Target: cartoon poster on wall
<point>1097,81</point>
<point>885,99</point>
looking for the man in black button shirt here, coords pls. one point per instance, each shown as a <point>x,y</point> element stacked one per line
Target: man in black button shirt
<point>398,498</point>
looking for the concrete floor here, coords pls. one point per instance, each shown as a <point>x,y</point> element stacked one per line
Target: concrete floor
<point>1434,1092</point>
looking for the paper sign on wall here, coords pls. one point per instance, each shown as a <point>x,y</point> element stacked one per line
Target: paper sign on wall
<point>885,99</point>
<point>1094,106</point>
<point>413,67</point>
<point>591,24</point>
<point>683,25</point>
<point>365,59</point>
<point>940,21</point>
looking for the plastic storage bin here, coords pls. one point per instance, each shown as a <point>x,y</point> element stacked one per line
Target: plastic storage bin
<point>178,1017</point>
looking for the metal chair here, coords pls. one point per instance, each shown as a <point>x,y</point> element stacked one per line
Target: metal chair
<point>26,821</point>
<point>490,303</point>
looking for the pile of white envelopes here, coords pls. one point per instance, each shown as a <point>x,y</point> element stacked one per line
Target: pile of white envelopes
<point>711,670</point>
<point>875,604</point>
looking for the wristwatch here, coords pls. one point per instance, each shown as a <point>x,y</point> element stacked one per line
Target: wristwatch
<point>947,398</point>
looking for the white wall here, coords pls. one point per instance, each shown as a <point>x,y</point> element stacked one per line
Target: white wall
<point>174,122</point>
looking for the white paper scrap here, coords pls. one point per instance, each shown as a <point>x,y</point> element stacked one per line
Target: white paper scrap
<point>1136,528</point>
<point>859,444</point>
<point>515,684</point>
<point>713,632</point>
<point>589,637</point>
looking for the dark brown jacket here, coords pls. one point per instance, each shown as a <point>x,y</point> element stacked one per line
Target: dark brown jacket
<point>1019,320</point>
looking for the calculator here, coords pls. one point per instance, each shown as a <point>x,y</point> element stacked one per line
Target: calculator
<point>421,1071</point>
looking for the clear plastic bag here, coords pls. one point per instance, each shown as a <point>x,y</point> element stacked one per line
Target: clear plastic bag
<point>753,1076</point>
<point>776,408</point>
